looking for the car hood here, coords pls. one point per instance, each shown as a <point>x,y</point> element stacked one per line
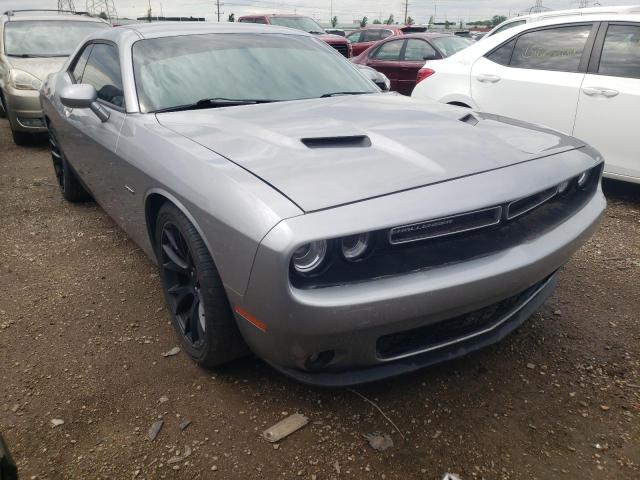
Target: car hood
<point>322,153</point>
<point>39,67</point>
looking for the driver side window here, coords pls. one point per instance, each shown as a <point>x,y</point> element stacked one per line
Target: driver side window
<point>81,62</point>
<point>103,72</point>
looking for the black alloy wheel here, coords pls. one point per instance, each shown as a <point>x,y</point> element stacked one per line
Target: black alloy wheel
<point>183,285</point>
<point>70,187</point>
<point>197,301</point>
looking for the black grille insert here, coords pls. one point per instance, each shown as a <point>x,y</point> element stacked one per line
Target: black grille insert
<point>441,334</point>
<point>343,49</point>
<point>441,227</point>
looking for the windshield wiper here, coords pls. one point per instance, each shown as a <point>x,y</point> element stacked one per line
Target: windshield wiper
<point>337,94</point>
<point>315,32</point>
<point>213,103</point>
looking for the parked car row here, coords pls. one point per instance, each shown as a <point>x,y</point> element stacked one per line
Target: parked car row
<point>401,57</point>
<point>295,211</point>
<point>576,74</point>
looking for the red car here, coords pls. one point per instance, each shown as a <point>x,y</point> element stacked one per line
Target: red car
<point>400,58</point>
<point>365,37</point>
<point>306,24</point>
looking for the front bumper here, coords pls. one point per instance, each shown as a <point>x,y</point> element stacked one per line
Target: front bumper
<point>350,320</point>
<point>24,111</point>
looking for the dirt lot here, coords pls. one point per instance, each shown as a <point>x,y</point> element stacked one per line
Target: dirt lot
<point>83,328</point>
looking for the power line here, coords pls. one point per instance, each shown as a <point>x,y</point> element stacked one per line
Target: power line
<point>99,7</point>
<point>67,5</point>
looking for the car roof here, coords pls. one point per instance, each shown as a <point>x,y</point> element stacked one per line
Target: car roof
<point>18,16</point>
<point>583,12</point>
<point>426,35</point>
<point>172,29</point>
<point>270,15</point>
<point>488,43</point>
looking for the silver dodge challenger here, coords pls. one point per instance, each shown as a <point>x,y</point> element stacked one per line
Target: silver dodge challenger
<point>342,234</point>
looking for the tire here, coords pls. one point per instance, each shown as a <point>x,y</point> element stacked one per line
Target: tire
<point>3,107</point>
<point>21,138</point>
<point>194,293</point>
<point>70,187</point>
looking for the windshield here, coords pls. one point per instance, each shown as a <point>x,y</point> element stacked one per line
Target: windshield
<point>46,38</point>
<point>176,71</point>
<point>450,45</point>
<point>305,24</point>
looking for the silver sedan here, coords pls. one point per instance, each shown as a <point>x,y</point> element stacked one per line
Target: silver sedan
<point>341,234</point>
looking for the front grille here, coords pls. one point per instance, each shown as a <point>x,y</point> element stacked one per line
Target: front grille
<point>441,334</point>
<point>397,251</point>
<point>342,48</point>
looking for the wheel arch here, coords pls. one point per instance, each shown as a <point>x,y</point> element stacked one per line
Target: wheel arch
<point>154,200</point>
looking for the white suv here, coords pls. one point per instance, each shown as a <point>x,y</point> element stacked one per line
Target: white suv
<point>579,75</point>
<point>537,17</point>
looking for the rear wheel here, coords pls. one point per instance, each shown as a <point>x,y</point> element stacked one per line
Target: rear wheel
<point>70,187</point>
<point>21,138</point>
<point>196,298</point>
<point>3,107</point>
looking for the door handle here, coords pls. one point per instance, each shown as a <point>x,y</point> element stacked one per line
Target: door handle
<point>486,78</point>
<point>599,91</point>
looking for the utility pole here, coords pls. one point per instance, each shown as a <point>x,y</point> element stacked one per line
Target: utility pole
<point>406,9</point>
<point>218,5</point>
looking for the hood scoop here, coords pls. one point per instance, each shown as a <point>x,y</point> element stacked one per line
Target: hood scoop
<point>352,141</point>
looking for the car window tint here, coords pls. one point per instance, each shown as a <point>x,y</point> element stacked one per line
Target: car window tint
<point>385,33</point>
<point>551,49</point>
<point>502,55</point>
<point>246,20</point>
<point>417,50</point>
<point>81,61</point>
<point>354,37</point>
<point>621,51</point>
<point>389,51</point>
<point>509,25</point>
<point>103,72</point>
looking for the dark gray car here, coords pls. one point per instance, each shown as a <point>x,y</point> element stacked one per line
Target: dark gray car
<point>342,234</point>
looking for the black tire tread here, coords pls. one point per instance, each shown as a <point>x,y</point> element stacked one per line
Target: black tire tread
<point>224,343</point>
<point>73,191</point>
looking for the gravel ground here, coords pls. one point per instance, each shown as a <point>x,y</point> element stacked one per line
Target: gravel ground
<point>83,328</point>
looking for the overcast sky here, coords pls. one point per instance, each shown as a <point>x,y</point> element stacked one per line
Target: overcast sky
<point>346,10</point>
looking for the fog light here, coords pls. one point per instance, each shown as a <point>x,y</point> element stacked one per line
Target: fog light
<point>582,179</point>
<point>355,246</point>
<point>31,122</point>
<point>319,360</point>
<point>309,257</point>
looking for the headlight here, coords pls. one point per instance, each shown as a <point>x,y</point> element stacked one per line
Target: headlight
<point>563,187</point>
<point>583,179</point>
<point>24,81</point>
<point>310,257</point>
<point>355,246</point>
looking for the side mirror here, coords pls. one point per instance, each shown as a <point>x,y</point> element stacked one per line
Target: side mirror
<point>431,56</point>
<point>83,96</point>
